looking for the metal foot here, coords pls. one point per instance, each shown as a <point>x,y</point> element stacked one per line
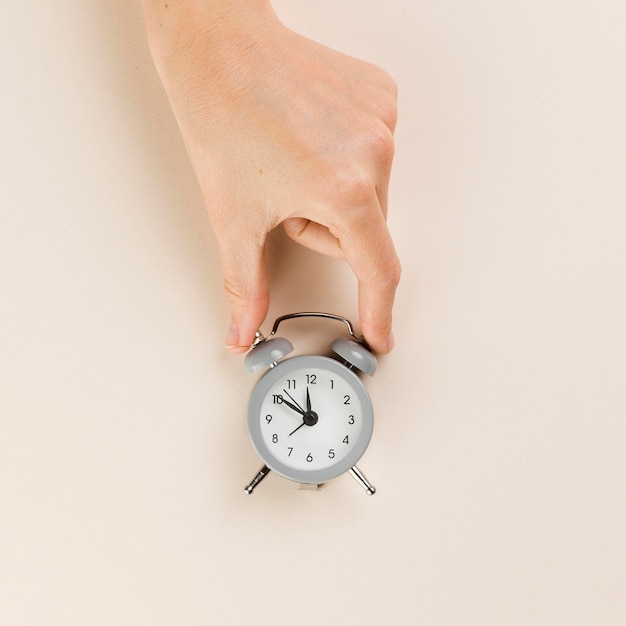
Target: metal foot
<point>360,478</point>
<point>261,474</point>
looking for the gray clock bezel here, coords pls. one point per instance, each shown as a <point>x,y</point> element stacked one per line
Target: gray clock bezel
<point>261,390</point>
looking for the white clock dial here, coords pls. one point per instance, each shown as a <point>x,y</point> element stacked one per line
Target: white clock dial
<point>310,418</point>
<point>314,445</point>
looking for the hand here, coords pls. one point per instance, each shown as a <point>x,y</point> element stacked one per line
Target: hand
<point>281,131</point>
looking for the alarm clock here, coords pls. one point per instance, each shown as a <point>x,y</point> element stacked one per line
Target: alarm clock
<point>310,417</point>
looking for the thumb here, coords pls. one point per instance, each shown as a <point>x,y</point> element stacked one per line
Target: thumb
<point>247,289</point>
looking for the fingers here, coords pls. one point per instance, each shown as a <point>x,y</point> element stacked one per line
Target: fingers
<point>367,244</point>
<point>314,236</point>
<point>351,227</point>
<point>359,235</point>
<point>246,286</point>
<point>370,252</point>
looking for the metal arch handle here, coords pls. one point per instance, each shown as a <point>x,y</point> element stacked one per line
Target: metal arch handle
<point>329,316</point>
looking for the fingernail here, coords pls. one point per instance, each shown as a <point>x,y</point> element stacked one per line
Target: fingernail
<point>391,342</point>
<point>232,339</point>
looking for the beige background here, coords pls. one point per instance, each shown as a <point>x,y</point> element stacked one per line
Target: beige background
<point>499,451</point>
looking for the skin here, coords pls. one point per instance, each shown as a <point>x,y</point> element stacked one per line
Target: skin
<point>281,131</point>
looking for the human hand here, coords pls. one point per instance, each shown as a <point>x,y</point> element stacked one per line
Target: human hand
<point>281,130</point>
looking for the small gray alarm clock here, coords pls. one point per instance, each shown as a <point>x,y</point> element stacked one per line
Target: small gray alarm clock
<point>310,417</point>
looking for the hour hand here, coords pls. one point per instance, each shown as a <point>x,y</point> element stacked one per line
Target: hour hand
<point>297,409</point>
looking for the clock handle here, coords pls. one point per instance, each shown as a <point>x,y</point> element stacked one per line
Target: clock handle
<point>261,474</point>
<point>357,474</point>
<point>328,316</point>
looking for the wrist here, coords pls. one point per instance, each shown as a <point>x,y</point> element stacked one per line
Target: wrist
<point>172,25</point>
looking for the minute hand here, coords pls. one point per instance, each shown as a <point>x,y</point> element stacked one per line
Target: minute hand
<point>297,428</point>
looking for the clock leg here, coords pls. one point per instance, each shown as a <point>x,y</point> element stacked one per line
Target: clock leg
<point>358,476</point>
<point>261,474</point>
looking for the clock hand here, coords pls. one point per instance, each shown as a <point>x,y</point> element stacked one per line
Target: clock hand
<point>309,417</point>
<point>298,428</point>
<point>295,406</point>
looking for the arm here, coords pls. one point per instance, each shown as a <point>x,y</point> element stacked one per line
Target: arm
<point>281,131</point>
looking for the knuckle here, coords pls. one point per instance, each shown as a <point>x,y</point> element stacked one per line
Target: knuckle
<point>396,274</point>
<point>244,295</point>
<point>389,278</point>
<point>235,292</point>
<point>380,143</point>
<point>352,185</point>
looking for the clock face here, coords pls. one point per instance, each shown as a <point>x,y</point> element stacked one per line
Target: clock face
<point>310,418</point>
